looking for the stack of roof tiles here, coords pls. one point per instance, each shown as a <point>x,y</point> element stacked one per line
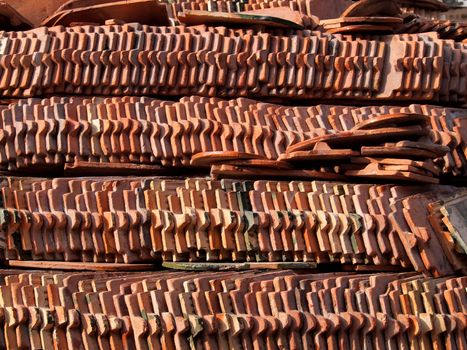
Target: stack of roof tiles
<point>138,59</point>
<point>146,220</point>
<point>323,170</point>
<point>247,310</point>
<point>151,135</point>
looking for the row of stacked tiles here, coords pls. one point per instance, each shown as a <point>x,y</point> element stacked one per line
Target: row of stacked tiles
<point>117,60</point>
<point>146,219</point>
<point>274,310</point>
<point>150,132</point>
<point>145,131</point>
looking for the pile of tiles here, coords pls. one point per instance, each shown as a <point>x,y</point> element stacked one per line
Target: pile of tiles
<point>163,159</point>
<point>136,59</point>
<point>136,220</point>
<point>359,25</point>
<point>375,16</point>
<point>447,127</point>
<point>370,16</point>
<point>44,310</point>
<point>165,12</point>
<point>410,148</point>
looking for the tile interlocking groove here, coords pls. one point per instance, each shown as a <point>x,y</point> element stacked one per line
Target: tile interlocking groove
<point>161,188</point>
